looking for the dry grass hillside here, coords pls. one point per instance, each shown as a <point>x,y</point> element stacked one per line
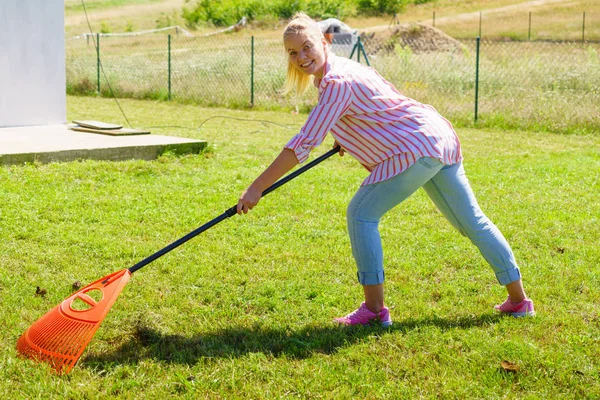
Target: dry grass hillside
<point>551,19</point>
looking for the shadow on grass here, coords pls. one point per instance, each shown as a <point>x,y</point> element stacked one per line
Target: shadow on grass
<point>148,343</point>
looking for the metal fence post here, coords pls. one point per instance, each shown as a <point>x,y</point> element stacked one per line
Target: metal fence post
<point>477,80</point>
<point>252,74</point>
<point>98,60</point>
<point>480,18</point>
<point>169,57</point>
<point>529,34</point>
<point>583,29</point>
<point>434,19</point>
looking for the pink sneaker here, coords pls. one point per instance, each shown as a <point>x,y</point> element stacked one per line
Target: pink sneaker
<point>522,309</point>
<point>364,316</point>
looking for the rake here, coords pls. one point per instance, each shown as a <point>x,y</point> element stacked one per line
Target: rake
<point>62,334</point>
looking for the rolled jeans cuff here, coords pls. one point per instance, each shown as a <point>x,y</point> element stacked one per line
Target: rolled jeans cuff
<point>506,277</point>
<point>370,278</point>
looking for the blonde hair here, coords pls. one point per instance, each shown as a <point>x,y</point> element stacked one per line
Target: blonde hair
<point>296,80</point>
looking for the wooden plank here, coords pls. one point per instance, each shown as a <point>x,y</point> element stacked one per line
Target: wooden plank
<point>112,132</point>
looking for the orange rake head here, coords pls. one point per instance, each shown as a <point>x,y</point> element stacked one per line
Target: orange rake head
<point>60,336</point>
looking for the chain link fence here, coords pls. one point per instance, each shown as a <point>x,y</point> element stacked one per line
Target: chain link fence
<point>505,22</point>
<point>534,84</point>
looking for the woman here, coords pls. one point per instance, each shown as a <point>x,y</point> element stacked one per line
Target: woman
<point>404,145</point>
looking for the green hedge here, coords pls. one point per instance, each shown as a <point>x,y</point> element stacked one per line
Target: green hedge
<point>228,12</point>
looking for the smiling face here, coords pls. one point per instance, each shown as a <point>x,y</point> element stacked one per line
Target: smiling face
<point>305,53</point>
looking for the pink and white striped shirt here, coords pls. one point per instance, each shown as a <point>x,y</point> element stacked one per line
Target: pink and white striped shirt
<point>384,130</point>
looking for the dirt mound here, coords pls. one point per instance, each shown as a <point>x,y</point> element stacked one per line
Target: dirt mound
<point>418,37</point>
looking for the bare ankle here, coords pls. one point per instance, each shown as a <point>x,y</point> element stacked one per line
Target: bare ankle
<point>374,308</point>
<point>517,299</point>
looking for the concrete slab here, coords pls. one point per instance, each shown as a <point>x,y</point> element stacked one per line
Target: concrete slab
<point>57,143</point>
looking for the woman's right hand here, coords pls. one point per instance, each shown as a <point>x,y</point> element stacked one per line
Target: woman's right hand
<point>248,200</point>
<point>285,161</point>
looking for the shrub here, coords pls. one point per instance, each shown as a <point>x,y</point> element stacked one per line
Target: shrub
<point>228,12</point>
<point>104,27</point>
<point>82,87</point>
<point>378,7</point>
<point>223,12</point>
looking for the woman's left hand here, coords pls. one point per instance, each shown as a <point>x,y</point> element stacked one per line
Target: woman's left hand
<point>342,151</point>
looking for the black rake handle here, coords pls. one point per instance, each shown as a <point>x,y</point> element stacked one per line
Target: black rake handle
<point>230,212</point>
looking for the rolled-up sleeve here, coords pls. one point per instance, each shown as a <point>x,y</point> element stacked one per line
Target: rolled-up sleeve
<point>334,101</point>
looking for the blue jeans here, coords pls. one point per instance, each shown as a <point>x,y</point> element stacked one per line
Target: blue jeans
<point>449,189</point>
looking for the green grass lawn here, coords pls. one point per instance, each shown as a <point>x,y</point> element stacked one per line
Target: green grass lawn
<point>245,309</point>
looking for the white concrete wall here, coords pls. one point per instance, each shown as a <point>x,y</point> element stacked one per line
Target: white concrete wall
<point>32,63</point>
